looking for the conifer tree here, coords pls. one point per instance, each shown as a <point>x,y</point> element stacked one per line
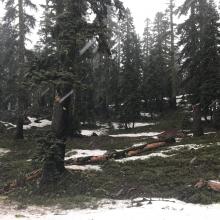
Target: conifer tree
<point>209,53</point>
<point>147,44</point>
<point>156,73</point>
<point>131,73</point>
<point>22,22</point>
<point>70,31</point>
<point>8,66</point>
<point>199,36</point>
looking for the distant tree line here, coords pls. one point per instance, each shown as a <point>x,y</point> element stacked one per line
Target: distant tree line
<point>91,48</point>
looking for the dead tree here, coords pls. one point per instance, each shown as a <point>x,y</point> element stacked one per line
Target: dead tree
<point>55,154</point>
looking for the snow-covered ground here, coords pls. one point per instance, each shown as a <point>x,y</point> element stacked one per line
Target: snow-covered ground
<point>3,151</point>
<point>84,167</point>
<point>73,154</point>
<point>143,157</point>
<point>88,132</point>
<point>142,134</point>
<point>99,132</point>
<point>40,124</point>
<point>141,209</point>
<point>115,125</point>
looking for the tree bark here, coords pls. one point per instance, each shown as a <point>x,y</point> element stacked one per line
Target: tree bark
<point>197,123</point>
<point>172,59</point>
<point>21,60</point>
<point>54,162</point>
<point>216,115</point>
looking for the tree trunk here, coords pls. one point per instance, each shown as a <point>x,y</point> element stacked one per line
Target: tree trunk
<point>172,59</point>
<point>54,162</point>
<point>19,128</point>
<point>197,123</point>
<point>216,115</point>
<point>21,54</point>
<point>58,125</point>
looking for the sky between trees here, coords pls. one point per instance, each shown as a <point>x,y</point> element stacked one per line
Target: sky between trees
<point>140,10</point>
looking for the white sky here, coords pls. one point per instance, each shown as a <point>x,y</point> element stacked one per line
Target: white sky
<point>140,9</point>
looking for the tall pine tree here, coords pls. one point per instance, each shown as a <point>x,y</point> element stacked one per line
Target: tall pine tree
<point>130,82</point>
<point>199,37</point>
<point>22,22</point>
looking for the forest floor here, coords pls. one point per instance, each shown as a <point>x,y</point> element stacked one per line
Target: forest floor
<point>170,176</point>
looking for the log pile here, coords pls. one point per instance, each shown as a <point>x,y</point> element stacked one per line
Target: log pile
<point>129,152</point>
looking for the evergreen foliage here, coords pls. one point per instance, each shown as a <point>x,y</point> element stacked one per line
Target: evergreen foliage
<point>199,37</point>
<point>131,69</point>
<point>92,48</point>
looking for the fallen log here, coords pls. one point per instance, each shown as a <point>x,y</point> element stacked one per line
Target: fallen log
<point>129,152</point>
<point>214,185</point>
<point>174,133</point>
<point>210,184</point>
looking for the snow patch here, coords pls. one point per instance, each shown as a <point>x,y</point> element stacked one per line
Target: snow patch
<point>164,153</point>
<point>209,118</point>
<point>96,131</point>
<point>84,167</point>
<point>187,146</point>
<point>211,132</point>
<point>141,124</point>
<point>144,157</point>
<point>3,151</point>
<point>40,124</point>
<point>142,134</point>
<point>158,209</point>
<point>115,125</point>
<point>73,154</point>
